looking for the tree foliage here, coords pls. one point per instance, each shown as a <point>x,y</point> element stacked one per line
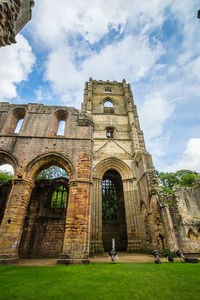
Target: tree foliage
<point>5,176</point>
<point>184,178</point>
<point>52,172</point>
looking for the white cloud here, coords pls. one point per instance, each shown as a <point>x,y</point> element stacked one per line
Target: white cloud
<point>52,22</point>
<point>7,168</point>
<point>190,159</point>
<point>131,58</point>
<point>153,114</point>
<point>16,62</point>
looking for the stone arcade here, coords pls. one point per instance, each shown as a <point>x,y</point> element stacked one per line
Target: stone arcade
<point>112,190</point>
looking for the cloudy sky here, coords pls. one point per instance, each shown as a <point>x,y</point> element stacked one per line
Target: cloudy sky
<point>154,45</point>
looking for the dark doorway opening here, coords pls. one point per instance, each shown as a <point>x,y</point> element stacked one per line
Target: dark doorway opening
<point>113,212</point>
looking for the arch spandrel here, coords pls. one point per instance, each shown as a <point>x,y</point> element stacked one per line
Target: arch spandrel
<point>115,164</point>
<point>44,161</point>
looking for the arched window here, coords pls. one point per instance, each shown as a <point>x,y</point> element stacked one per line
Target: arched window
<point>14,121</point>
<point>59,197</point>
<point>108,107</point>
<point>109,132</point>
<point>58,123</point>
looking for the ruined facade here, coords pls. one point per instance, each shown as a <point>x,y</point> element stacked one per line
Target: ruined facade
<point>14,14</point>
<point>112,189</point>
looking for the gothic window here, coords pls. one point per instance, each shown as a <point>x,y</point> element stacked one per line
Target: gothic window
<point>14,121</point>
<point>59,197</point>
<point>108,90</point>
<point>109,132</point>
<point>108,107</point>
<point>109,200</point>
<point>58,121</point>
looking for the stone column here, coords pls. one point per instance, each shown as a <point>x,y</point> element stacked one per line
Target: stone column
<point>96,222</point>
<point>132,210</point>
<point>77,230</point>
<point>13,220</point>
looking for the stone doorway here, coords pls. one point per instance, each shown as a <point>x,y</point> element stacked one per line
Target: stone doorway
<point>113,212</point>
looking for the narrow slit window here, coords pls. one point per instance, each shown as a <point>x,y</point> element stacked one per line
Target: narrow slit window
<point>19,125</point>
<point>61,128</point>
<point>109,133</point>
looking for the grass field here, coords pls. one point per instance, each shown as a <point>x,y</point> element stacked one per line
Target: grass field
<point>102,281</point>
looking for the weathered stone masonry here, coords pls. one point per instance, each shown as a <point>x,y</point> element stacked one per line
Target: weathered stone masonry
<point>112,190</point>
<point>36,147</point>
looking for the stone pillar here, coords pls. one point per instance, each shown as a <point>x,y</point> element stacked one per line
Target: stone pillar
<point>77,230</point>
<point>132,210</point>
<point>96,215</point>
<point>13,220</point>
<point>171,240</point>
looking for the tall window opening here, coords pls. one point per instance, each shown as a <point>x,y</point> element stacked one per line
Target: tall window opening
<point>6,176</point>
<point>19,125</point>
<point>61,128</point>
<point>14,121</point>
<point>113,211</point>
<point>58,123</point>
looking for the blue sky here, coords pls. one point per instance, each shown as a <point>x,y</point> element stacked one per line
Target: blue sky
<point>154,45</point>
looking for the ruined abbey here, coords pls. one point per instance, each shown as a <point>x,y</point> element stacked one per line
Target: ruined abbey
<point>111,191</point>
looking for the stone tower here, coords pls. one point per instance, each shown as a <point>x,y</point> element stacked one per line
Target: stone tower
<point>121,167</point>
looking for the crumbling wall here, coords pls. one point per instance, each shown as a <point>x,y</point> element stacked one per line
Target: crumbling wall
<point>14,14</point>
<point>188,227</point>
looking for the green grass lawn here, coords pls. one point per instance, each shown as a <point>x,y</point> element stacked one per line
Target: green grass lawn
<point>102,281</point>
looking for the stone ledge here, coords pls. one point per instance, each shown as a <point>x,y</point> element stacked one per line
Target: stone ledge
<point>6,259</point>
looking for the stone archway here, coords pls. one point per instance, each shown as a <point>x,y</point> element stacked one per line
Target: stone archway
<point>13,221</point>
<point>45,221</point>
<point>131,201</point>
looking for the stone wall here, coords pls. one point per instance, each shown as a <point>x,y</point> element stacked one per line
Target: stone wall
<point>14,14</point>
<point>36,147</point>
<point>188,218</point>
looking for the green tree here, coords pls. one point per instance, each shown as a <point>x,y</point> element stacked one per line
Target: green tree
<point>52,172</point>
<point>5,176</point>
<point>184,178</point>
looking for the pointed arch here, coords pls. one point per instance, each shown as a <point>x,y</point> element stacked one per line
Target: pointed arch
<point>46,160</point>
<point>115,164</point>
